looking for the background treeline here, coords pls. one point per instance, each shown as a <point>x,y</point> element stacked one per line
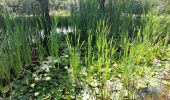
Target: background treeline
<point>33,6</point>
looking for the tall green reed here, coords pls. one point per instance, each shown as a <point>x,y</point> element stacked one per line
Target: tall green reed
<point>16,49</point>
<point>74,52</point>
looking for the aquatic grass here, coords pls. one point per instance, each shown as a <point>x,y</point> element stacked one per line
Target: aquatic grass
<point>132,33</point>
<point>74,52</point>
<point>54,42</point>
<point>89,52</point>
<point>4,67</point>
<point>16,48</point>
<point>132,38</point>
<point>119,14</point>
<point>104,52</point>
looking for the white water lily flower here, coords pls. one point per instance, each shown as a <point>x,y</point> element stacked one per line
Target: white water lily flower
<point>36,93</point>
<point>34,75</point>
<point>50,66</point>
<point>70,70</point>
<point>125,92</point>
<point>159,65</point>
<point>116,96</point>
<point>44,67</point>
<point>86,96</point>
<point>74,85</point>
<point>48,78</point>
<point>153,82</point>
<point>97,90</point>
<point>84,71</point>
<point>155,85</point>
<point>118,85</point>
<point>37,79</point>
<point>53,61</point>
<point>92,67</point>
<point>66,67</point>
<point>141,84</point>
<point>72,97</point>
<point>66,56</point>
<point>32,85</point>
<point>119,75</point>
<point>103,70</point>
<point>115,65</point>
<point>45,74</point>
<point>47,69</point>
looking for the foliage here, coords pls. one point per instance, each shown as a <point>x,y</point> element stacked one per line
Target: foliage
<point>123,54</point>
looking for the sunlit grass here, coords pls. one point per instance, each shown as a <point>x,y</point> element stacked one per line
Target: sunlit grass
<point>117,47</point>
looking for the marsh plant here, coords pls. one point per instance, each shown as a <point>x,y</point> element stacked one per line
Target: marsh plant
<point>118,49</point>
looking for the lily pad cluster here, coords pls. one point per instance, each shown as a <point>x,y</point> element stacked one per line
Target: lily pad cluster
<point>43,83</point>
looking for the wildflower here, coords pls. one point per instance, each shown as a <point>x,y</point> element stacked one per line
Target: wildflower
<point>156,61</point>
